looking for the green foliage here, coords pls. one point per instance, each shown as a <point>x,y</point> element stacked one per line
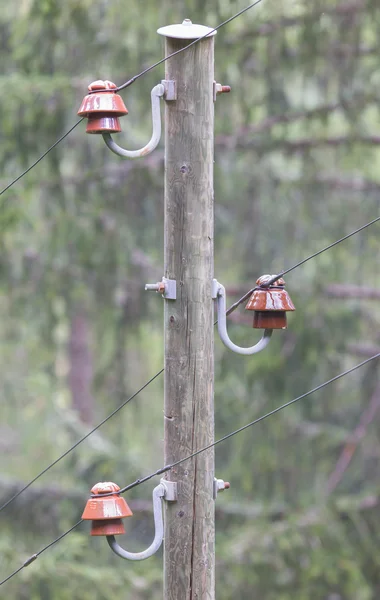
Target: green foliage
<point>296,167</point>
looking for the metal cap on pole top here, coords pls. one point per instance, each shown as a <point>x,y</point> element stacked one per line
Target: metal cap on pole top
<point>186,31</point>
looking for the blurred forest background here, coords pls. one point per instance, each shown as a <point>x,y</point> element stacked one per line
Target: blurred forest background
<point>296,167</point>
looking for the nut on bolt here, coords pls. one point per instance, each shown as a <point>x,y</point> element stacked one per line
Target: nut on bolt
<point>166,287</point>
<point>219,486</point>
<point>155,287</point>
<point>222,89</point>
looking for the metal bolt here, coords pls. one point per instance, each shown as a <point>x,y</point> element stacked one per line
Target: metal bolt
<point>219,486</point>
<point>222,485</point>
<point>155,287</point>
<point>222,89</point>
<point>166,287</point>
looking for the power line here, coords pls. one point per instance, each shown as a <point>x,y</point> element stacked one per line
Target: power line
<point>232,308</point>
<point>25,487</point>
<point>41,157</point>
<point>236,431</point>
<point>33,557</point>
<point>302,262</point>
<point>79,441</point>
<point>323,250</point>
<point>32,481</point>
<point>228,312</point>
<point>208,447</point>
<point>238,14</point>
<point>127,84</point>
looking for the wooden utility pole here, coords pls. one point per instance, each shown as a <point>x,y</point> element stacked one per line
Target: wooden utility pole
<point>189,572</point>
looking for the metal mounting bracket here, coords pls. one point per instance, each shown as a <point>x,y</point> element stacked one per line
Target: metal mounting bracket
<point>170,87</point>
<point>166,287</point>
<point>170,292</point>
<point>156,93</point>
<point>215,286</point>
<point>158,495</point>
<point>171,490</point>
<point>219,294</point>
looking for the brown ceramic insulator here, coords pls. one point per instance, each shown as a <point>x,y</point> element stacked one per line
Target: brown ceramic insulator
<point>113,527</point>
<point>270,304</point>
<point>102,107</point>
<point>106,512</point>
<point>270,299</point>
<point>105,487</point>
<point>269,320</point>
<point>103,124</point>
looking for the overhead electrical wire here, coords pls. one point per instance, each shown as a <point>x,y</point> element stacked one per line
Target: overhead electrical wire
<point>231,309</point>
<point>194,454</point>
<point>33,557</point>
<point>236,431</point>
<point>79,441</point>
<point>301,262</point>
<point>41,157</point>
<point>238,14</point>
<point>127,84</point>
<point>323,250</point>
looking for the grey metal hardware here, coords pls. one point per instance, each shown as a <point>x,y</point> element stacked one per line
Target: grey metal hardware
<point>166,287</point>
<point>171,492</point>
<point>170,93</point>
<point>219,486</point>
<point>156,93</point>
<point>219,294</point>
<point>158,495</point>
<point>218,88</point>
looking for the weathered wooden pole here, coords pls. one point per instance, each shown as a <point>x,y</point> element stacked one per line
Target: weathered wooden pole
<point>189,572</point>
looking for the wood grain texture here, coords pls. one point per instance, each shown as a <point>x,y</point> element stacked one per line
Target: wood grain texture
<point>189,571</point>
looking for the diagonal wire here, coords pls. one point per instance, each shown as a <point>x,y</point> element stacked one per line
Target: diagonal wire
<point>79,442</point>
<point>127,84</point>
<point>238,14</point>
<point>302,262</point>
<point>32,558</point>
<point>228,312</point>
<point>321,251</point>
<point>208,447</point>
<point>82,439</point>
<point>236,431</point>
<point>41,157</point>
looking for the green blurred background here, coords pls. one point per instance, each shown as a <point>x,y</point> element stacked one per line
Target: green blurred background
<point>296,167</point>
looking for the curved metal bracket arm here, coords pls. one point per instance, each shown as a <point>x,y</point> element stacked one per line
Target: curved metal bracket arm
<point>158,494</point>
<point>219,294</point>
<point>156,94</point>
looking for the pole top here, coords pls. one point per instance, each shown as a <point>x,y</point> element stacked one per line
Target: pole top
<point>186,30</point>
